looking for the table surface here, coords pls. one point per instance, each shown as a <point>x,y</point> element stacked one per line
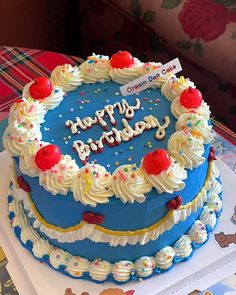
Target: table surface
<point>19,66</point>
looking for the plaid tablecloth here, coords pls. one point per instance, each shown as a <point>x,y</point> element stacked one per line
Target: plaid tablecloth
<point>19,66</point>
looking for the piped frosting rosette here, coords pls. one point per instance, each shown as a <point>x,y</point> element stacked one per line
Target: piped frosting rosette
<point>164,258</point>
<point>173,87</point>
<point>19,133</point>
<point>127,74</point>
<point>183,247</point>
<point>51,101</point>
<point>177,109</point>
<point>67,77</point>
<point>130,184</point>
<point>198,233</point>
<point>58,179</point>
<point>77,266</point>
<point>99,269</point>
<point>92,185</point>
<point>28,110</point>
<point>163,172</point>
<point>187,149</point>
<point>96,69</point>
<point>145,266</point>
<point>27,158</point>
<point>196,124</point>
<point>121,270</point>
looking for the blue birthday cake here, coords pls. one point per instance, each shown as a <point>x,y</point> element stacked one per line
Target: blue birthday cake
<point>112,187</point>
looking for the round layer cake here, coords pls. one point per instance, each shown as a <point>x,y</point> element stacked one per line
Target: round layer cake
<point>107,187</point>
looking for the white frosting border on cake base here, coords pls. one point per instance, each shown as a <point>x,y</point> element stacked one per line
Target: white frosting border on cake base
<point>121,271</point>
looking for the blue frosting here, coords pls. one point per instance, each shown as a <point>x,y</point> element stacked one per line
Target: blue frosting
<point>64,211</point>
<point>54,130</point>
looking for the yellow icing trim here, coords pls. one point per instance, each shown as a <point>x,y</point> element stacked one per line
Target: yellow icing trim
<point>170,214</point>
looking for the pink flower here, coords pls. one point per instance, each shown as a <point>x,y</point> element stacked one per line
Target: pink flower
<point>205,19</point>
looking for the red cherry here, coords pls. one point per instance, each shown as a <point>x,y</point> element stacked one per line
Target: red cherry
<point>122,59</point>
<point>191,98</point>
<point>23,184</point>
<point>47,157</point>
<point>98,219</point>
<point>212,155</point>
<point>178,201</point>
<point>172,204</point>
<point>175,203</point>
<point>88,217</point>
<point>93,218</point>
<point>156,161</point>
<point>41,88</point>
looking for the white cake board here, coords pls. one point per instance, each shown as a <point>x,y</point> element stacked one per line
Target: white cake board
<point>209,264</point>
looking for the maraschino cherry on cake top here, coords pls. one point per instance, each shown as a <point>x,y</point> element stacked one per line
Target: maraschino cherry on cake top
<point>106,187</point>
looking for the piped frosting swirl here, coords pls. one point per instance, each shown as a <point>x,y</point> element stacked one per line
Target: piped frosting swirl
<point>96,69</point>
<point>67,77</point>
<point>92,185</point>
<point>130,184</point>
<point>186,149</point>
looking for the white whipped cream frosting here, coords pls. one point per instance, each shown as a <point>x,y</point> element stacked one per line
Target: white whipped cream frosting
<point>27,109</point>
<point>100,269</point>
<point>177,109</point>
<point>41,247</point>
<point>130,184</point>
<point>96,69</point>
<point>195,124</point>
<point>122,270</point>
<point>58,257</point>
<point>145,266</point>
<point>215,202</point>
<point>174,86</point>
<point>169,180</point>
<point>77,266</point>
<point>198,233</point>
<point>27,158</point>
<point>17,134</point>
<point>186,149</point>
<point>164,258</point>
<point>50,102</point>
<point>29,234</point>
<point>183,247</point>
<point>129,74</point>
<point>92,185</point>
<point>67,77</point>
<point>58,179</point>
<point>208,217</point>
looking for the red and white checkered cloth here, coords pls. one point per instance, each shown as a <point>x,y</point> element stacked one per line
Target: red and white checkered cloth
<point>19,66</point>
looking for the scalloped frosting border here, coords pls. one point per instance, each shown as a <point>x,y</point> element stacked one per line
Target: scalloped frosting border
<point>181,84</point>
<point>98,233</point>
<point>99,270</point>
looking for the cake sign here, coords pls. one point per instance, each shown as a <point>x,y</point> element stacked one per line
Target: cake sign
<point>147,80</point>
<point>114,136</point>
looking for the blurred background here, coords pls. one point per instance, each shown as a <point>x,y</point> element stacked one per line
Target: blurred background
<point>201,33</point>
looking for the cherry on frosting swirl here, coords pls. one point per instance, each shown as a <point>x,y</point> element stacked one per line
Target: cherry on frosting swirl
<point>191,98</point>
<point>47,157</point>
<point>122,59</point>
<point>41,88</point>
<point>157,161</point>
